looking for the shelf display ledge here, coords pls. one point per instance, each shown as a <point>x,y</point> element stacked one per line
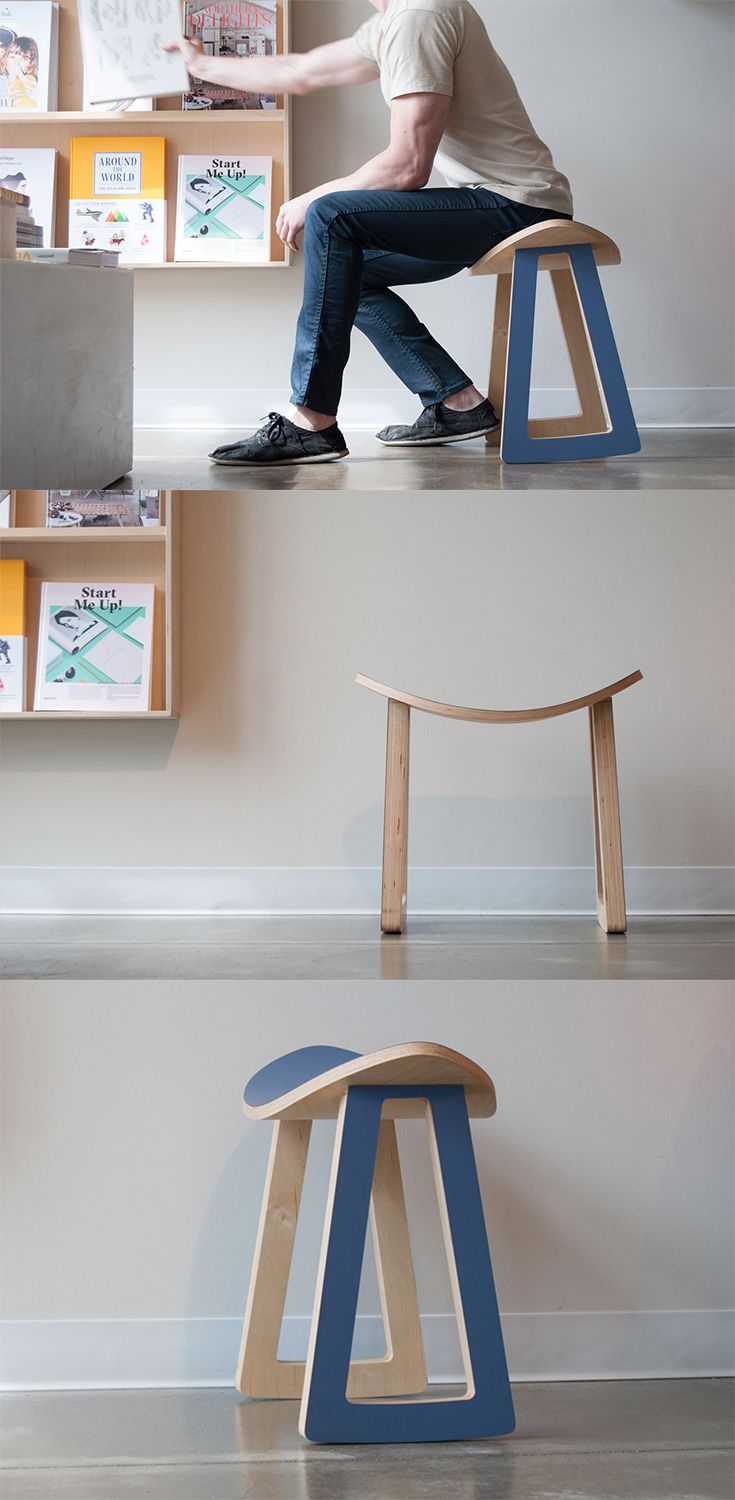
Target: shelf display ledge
<point>82,533</point>
<point>146,117</point>
<point>29,713</point>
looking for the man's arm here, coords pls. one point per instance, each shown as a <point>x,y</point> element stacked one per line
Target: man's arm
<point>295,73</point>
<point>417,124</point>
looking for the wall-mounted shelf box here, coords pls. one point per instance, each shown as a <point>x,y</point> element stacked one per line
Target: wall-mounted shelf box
<point>257,132</point>
<point>126,554</point>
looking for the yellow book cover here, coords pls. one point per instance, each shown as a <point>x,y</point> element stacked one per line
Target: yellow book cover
<point>12,635</point>
<point>117,196</point>
<point>12,596</point>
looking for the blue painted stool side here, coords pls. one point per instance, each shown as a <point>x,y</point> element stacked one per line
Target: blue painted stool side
<point>487,1409</point>
<point>517,445</point>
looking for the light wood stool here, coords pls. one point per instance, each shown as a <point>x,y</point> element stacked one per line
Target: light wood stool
<point>604,425</point>
<point>350,1402</point>
<point>605,806</point>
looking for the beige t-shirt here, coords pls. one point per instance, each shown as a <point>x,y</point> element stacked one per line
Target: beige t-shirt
<point>442,47</point>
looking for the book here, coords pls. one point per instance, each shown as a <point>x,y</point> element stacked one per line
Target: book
<point>12,635</point>
<point>32,172</point>
<point>63,257</point>
<point>5,497</point>
<point>223,209</point>
<point>245,29</point>
<point>117,196</point>
<point>73,508</point>
<point>122,49</point>
<point>29,55</point>
<point>94,647</point>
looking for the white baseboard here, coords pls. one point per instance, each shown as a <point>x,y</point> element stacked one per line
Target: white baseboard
<point>61,890</point>
<point>80,1354</point>
<point>211,409</point>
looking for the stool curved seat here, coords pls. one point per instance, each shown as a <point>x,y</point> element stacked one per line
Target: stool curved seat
<point>543,236</point>
<point>497,715</point>
<point>308,1084</point>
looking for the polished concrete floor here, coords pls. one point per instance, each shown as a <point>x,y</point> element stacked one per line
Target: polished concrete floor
<point>621,1440</point>
<point>694,458</point>
<point>452,948</point>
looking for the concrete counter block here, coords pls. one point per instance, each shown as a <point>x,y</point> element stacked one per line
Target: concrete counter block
<point>66,375</point>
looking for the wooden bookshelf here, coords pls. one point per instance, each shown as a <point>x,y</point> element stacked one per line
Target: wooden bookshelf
<point>145,554</point>
<point>257,132</point>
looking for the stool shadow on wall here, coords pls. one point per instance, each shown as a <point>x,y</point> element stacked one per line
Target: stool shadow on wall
<point>466,833</point>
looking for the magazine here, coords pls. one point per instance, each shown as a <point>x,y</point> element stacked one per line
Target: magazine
<point>123,56</point>
<point>117,196</point>
<point>32,171</point>
<point>223,209</point>
<point>29,55</point>
<point>94,647</point>
<point>245,29</point>
<point>75,508</point>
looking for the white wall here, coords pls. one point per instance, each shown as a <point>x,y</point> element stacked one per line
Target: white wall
<point>268,793</point>
<point>131,1182</point>
<point>635,98</point>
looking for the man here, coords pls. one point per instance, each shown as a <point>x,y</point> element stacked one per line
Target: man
<point>453,105</point>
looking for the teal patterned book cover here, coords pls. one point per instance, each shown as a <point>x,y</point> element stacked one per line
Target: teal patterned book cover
<point>94,647</point>
<point>223,209</point>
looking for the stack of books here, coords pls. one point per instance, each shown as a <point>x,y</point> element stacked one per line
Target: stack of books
<point>17,205</point>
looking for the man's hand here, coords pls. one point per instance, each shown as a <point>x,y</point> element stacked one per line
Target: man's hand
<point>192,53</point>
<point>290,221</point>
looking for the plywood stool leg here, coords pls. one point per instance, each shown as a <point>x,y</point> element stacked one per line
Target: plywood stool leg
<point>592,416</point>
<point>259,1370</point>
<point>606,810</point>
<point>327,1413</point>
<point>395,826</point>
<point>402,1370</point>
<point>553,440</point>
<point>470,1266</point>
<point>499,353</point>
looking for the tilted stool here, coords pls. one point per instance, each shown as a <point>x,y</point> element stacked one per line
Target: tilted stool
<point>605,424</point>
<point>350,1403</point>
<point>606,811</point>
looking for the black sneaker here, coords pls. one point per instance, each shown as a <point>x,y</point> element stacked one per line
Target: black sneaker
<point>279,441</point>
<point>438,424</point>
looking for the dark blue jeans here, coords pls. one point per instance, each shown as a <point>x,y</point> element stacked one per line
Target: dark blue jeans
<point>357,246</point>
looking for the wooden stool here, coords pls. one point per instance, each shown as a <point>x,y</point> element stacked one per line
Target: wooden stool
<point>604,425</point>
<point>608,848</point>
<point>343,1402</point>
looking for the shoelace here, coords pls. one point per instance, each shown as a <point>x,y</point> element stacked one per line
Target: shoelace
<point>275,430</point>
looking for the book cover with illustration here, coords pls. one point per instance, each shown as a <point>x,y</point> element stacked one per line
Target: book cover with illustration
<point>29,55</point>
<point>117,196</point>
<point>122,49</point>
<point>223,208</point>
<point>12,635</point>
<point>32,170</point>
<point>245,29</point>
<point>79,508</point>
<point>94,647</point>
